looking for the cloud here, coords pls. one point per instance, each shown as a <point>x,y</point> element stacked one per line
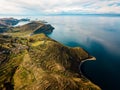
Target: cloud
<point>37,7</point>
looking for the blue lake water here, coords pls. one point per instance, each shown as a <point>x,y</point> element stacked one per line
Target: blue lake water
<point>100,36</point>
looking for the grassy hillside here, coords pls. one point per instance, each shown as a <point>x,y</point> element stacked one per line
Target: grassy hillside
<point>36,62</point>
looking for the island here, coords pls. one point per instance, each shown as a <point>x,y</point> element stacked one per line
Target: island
<point>30,60</point>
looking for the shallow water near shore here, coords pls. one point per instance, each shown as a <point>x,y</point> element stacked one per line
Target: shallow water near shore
<point>98,35</point>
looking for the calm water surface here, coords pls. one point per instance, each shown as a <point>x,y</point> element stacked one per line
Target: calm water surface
<point>100,36</point>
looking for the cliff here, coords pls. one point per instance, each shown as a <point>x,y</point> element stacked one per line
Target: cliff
<point>37,62</point>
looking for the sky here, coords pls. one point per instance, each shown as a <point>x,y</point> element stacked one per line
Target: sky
<point>46,7</point>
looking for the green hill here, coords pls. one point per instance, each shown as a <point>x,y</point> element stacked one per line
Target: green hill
<point>37,62</point>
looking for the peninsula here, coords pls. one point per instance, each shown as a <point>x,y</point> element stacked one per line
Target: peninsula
<point>30,60</point>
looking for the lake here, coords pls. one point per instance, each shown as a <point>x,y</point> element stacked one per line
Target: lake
<point>100,36</point>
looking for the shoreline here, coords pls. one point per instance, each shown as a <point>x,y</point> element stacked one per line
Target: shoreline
<point>89,59</point>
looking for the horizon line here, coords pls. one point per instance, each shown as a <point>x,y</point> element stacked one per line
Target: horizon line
<point>65,14</point>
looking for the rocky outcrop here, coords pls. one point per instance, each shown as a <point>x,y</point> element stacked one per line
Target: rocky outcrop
<point>40,63</point>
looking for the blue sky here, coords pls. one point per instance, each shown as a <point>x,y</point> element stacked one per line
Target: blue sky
<point>39,7</point>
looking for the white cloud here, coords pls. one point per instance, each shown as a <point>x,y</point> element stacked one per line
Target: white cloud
<point>36,7</point>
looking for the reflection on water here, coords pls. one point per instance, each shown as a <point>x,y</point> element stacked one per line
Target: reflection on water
<point>100,37</point>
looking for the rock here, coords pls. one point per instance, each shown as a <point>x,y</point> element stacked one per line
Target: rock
<point>41,63</point>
